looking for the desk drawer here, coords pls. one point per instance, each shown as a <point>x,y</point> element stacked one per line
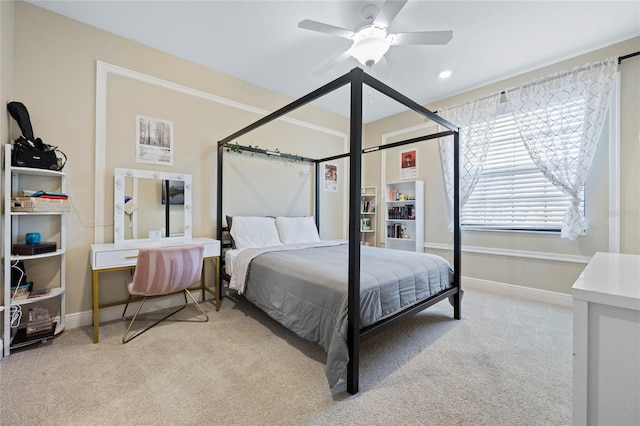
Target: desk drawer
<point>109,259</point>
<point>120,255</point>
<point>212,249</point>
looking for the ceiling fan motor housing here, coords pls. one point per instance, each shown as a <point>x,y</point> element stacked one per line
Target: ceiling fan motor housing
<point>370,43</point>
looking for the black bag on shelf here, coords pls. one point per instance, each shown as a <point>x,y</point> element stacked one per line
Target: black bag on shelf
<point>29,151</point>
<point>26,154</point>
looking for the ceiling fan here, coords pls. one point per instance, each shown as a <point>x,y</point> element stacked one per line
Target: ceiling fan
<point>371,39</point>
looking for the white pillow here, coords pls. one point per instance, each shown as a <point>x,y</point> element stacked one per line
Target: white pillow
<point>254,232</point>
<point>294,230</point>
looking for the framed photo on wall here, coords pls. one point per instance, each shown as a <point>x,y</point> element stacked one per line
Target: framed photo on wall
<point>409,164</point>
<point>154,141</point>
<point>331,178</point>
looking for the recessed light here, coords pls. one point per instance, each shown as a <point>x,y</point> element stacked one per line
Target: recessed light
<point>444,74</point>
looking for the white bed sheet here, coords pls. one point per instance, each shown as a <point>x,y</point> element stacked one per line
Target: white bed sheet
<point>229,260</point>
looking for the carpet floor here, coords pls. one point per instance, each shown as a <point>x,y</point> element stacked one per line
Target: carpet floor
<point>507,362</point>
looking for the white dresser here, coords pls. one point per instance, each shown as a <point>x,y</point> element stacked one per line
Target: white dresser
<point>606,341</point>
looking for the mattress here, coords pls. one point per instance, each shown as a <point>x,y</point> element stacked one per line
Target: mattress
<point>306,290</point>
<point>229,260</point>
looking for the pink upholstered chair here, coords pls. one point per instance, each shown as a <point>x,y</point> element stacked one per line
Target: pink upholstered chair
<point>162,271</point>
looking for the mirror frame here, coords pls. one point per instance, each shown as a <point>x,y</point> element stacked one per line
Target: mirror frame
<point>118,201</point>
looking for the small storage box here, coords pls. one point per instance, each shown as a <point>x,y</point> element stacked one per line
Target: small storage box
<point>35,204</point>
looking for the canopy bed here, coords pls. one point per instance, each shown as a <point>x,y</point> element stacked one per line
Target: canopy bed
<point>367,281</point>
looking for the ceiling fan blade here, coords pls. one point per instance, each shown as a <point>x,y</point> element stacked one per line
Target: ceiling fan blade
<point>423,37</point>
<point>388,11</point>
<point>332,63</point>
<point>320,27</point>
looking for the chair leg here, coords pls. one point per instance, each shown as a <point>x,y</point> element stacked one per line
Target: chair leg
<point>124,317</point>
<point>197,304</point>
<point>124,338</point>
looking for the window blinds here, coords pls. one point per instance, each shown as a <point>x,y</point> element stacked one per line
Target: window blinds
<point>511,192</point>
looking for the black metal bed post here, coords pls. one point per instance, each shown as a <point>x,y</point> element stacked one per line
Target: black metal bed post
<point>317,194</point>
<point>167,231</point>
<point>355,179</point>
<point>219,200</point>
<point>457,237</point>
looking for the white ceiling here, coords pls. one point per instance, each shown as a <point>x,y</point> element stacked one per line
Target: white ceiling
<point>259,41</point>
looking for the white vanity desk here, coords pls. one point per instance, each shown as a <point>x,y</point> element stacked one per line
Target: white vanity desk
<point>606,341</point>
<point>119,256</point>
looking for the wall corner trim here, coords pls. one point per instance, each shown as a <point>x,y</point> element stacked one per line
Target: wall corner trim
<point>511,290</point>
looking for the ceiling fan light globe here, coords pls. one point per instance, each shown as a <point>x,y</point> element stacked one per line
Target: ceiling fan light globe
<point>368,51</point>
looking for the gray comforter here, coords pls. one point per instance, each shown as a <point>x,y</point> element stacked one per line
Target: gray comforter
<point>306,291</point>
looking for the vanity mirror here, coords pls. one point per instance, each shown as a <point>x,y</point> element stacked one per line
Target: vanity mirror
<point>141,210</point>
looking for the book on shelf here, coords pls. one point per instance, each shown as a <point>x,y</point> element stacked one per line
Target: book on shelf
<point>21,292</point>
<point>402,212</point>
<point>39,293</point>
<point>44,194</point>
<point>368,206</point>
<point>396,230</point>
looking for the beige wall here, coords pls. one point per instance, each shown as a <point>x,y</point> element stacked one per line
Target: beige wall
<point>54,66</point>
<point>6,63</point>
<point>6,83</point>
<point>551,275</point>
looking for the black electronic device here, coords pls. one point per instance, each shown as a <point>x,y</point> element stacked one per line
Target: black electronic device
<point>33,249</point>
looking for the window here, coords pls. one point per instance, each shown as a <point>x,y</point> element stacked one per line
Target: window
<point>511,192</point>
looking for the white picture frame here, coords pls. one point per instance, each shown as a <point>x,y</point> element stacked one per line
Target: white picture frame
<point>331,178</point>
<point>409,164</point>
<point>154,141</point>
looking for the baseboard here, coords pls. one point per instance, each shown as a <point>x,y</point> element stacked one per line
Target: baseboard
<point>81,319</point>
<point>529,293</point>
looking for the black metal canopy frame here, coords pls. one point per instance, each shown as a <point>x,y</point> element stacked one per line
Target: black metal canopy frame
<point>356,78</point>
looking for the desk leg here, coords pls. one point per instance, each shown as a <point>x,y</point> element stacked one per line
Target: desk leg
<point>96,306</point>
<point>203,284</point>
<point>218,283</point>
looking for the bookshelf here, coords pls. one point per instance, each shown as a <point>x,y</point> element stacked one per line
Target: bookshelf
<point>22,313</point>
<point>368,222</point>
<point>404,220</point>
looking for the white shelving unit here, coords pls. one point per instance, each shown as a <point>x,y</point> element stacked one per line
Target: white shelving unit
<point>368,209</point>
<point>404,220</point>
<point>52,227</point>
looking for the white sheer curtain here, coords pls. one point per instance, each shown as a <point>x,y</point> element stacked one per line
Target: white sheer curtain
<point>564,152</point>
<point>476,120</point>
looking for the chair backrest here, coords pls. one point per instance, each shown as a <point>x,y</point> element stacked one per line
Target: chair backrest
<point>164,270</point>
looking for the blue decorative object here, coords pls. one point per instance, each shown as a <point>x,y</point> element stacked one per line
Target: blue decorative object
<point>32,238</point>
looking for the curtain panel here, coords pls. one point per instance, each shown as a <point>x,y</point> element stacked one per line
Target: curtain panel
<point>542,110</point>
<point>476,120</point>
